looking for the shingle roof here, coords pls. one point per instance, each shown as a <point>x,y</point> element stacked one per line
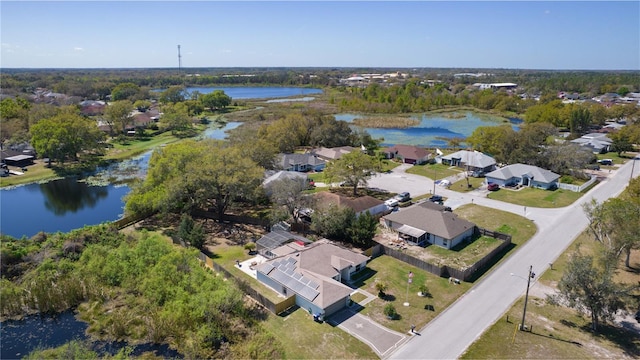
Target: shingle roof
<point>281,175</point>
<point>432,218</point>
<point>288,160</point>
<point>408,151</point>
<point>472,158</point>
<point>359,204</point>
<point>517,170</point>
<point>333,153</point>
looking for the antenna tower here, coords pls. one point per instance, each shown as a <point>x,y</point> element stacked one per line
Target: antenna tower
<point>179,59</point>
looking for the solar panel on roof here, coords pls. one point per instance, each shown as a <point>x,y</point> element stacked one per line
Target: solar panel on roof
<point>266,268</point>
<point>308,293</point>
<point>289,272</point>
<point>297,276</point>
<point>313,284</point>
<point>304,280</point>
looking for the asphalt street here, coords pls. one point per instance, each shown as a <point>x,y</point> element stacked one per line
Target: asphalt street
<point>455,329</point>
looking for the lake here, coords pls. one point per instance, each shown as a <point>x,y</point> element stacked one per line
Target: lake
<point>73,202</point>
<point>434,130</point>
<point>20,337</point>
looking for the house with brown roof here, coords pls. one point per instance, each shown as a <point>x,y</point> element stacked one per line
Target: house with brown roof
<point>409,154</point>
<point>430,223</point>
<point>359,205</point>
<point>315,276</point>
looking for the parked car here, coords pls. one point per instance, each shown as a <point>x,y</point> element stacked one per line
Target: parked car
<point>593,167</point>
<point>477,174</point>
<point>391,203</point>
<point>493,187</point>
<point>606,162</point>
<point>402,197</point>
<point>436,198</point>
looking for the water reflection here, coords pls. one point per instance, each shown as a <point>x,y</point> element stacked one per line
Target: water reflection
<point>70,195</point>
<point>20,337</point>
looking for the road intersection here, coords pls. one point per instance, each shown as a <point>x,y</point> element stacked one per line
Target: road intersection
<point>455,329</point>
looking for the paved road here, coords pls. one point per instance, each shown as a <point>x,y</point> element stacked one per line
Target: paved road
<point>455,329</point>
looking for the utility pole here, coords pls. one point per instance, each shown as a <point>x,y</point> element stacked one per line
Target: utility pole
<point>526,296</point>
<point>179,60</point>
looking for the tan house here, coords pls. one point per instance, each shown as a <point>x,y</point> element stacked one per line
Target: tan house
<point>409,154</point>
<point>359,205</point>
<point>334,153</point>
<point>430,223</point>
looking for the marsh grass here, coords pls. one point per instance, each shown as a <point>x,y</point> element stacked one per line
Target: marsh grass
<point>386,122</point>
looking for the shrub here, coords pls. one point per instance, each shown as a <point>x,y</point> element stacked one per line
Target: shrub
<point>390,311</point>
<point>381,287</point>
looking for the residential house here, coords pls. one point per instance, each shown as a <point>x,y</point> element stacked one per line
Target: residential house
<point>301,162</point>
<point>472,161</point>
<point>359,205</point>
<point>17,158</point>
<point>429,223</point>
<point>525,175</point>
<point>280,243</point>
<point>599,143</point>
<point>334,153</point>
<point>409,154</point>
<point>315,276</point>
<point>273,177</point>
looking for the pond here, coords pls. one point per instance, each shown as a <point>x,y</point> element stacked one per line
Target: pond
<point>434,130</point>
<point>20,337</point>
<point>73,202</point>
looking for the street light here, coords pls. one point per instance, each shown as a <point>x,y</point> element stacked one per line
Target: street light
<point>526,296</point>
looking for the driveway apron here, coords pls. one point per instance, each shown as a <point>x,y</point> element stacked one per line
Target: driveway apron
<point>382,340</point>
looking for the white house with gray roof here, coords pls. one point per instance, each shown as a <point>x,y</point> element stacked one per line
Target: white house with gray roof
<point>599,143</point>
<point>428,222</point>
<point>470,160</point>
<point>525,175</point>
<point>301,162</point>
<point>315,275</point>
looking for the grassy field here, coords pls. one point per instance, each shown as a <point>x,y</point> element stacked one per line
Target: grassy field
<point>395,122</point>
<point>303,338</point>
<point>394,274</point>
<point>461,185</point>
<point>35,173</point>
<point>521,229</point>
<point>536,197</point>
<point>434,171</point>
<point>559,332</point>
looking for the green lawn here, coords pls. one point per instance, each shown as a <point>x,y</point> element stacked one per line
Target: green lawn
<point>536,197</point>
<point>434,171</point>
<point>303,338</point>
<point>558,332</point>
<point>394,274</point>
<point>461,185</point>
<point>520,228</point>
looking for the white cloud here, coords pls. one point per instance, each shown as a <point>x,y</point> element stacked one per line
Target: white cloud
<point>77,48</point>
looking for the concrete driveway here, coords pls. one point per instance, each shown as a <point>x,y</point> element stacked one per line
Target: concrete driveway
<point>382,340</point>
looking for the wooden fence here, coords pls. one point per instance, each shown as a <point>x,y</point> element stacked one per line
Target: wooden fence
<point>246,288</point>
<point>447,271</point>
<point>231,218</point>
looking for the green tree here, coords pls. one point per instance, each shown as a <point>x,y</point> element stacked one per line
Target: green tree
<point>118,116</point>
<point>176,118</point>
<point>332,221</point>
<point>172,95</point>
<point>621,142</point>
<point>610,224</point>
<point>363,229</point>
<point>381,287</point>
<point>66,136</point>
<point>215,100</point>
<point>191,232</point>
<point>588,288</point>
<point>124,91</point>
<point>195,174</point>
<point>142,105</point>
<point>491,140</point>
<point>579,120</point>
<point>354,168</point>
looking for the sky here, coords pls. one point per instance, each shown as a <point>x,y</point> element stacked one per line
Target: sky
<point>558,35</point>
